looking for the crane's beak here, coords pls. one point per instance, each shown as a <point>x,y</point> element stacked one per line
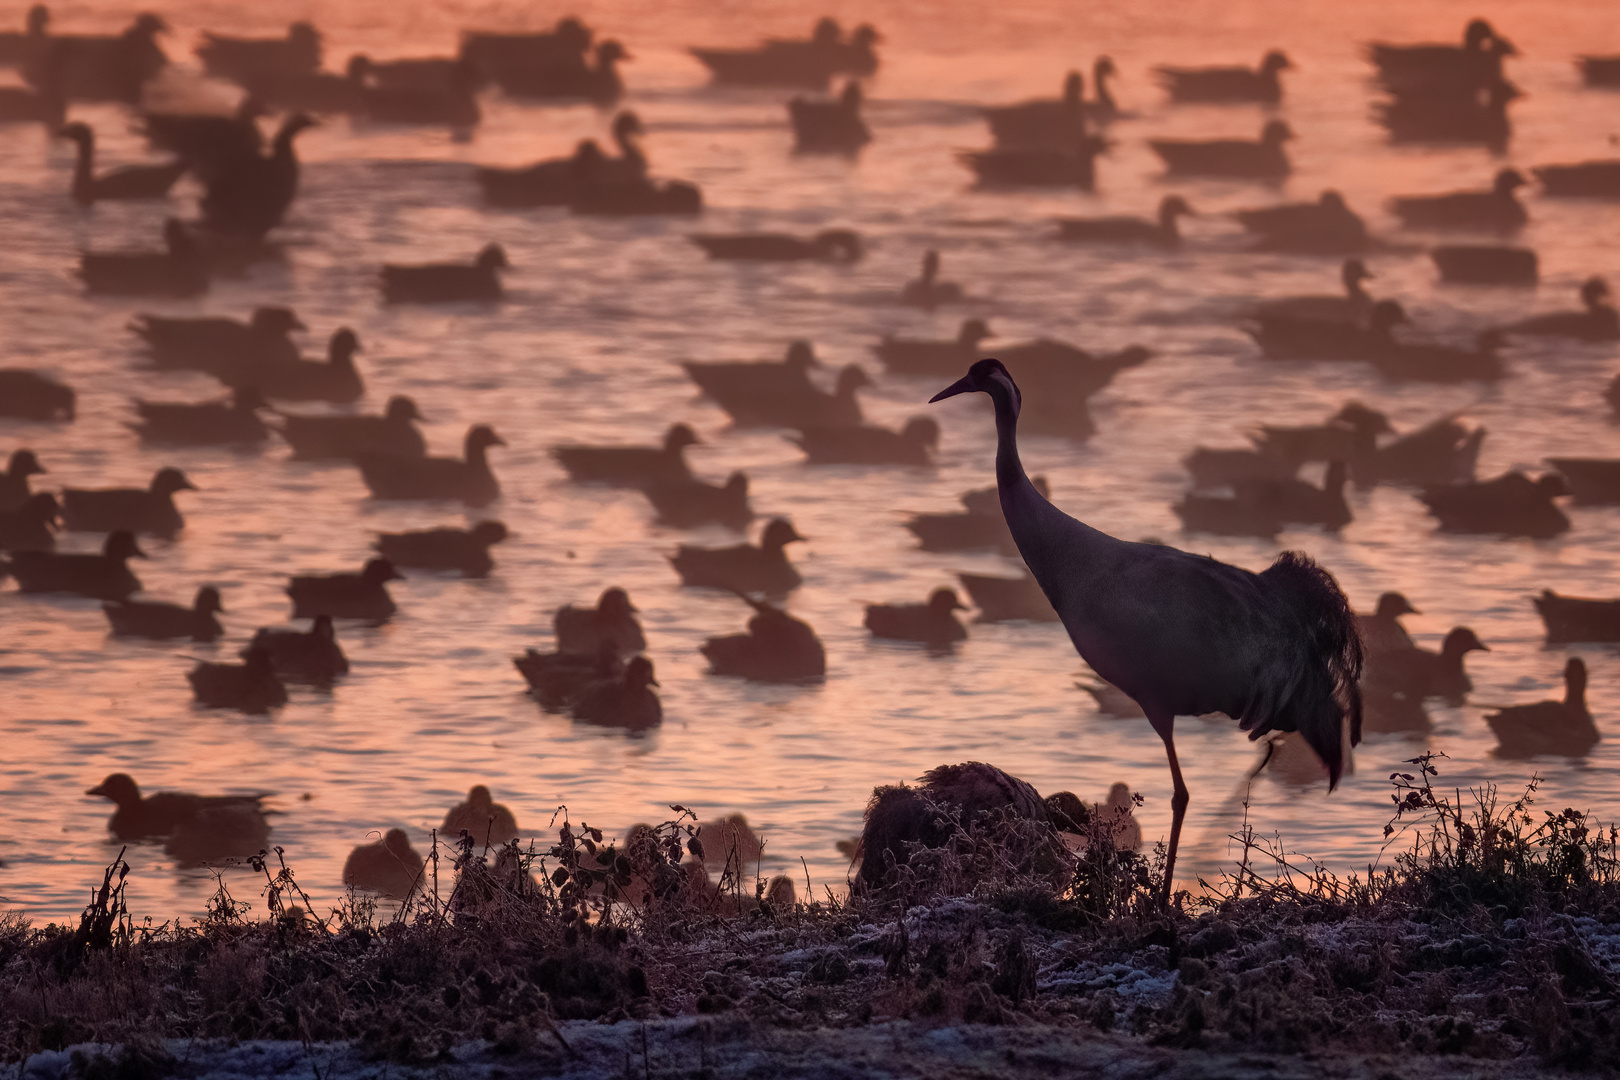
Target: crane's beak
<point>964,385</point>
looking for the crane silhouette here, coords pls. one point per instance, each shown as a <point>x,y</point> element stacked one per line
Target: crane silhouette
<point>1184,634</point>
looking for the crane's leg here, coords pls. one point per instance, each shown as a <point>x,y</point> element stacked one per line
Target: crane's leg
<point>1165,726</point>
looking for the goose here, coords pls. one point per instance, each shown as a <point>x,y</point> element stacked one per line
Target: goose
<point>160,621</point>
<point>600,84</point>
<point>1071,165</point>
<point>627,701</point>
<point>928,292</point>
<point>980,527</point>
<point>100,577</point>
<point>932,623</point>
<point>777,648</point>
<point>346,596</point>
<point>217,344</point>
<point>334,379</point>
<point>389,867</point>
<point>178,271</point>
<point>1222,515</point>
<point>630,466</point>
<point>1129,230</point>
<point>1600,70</point>
<point>243,59</point>
<point>1465,116</point>
<point>809,64</point>
<point>17,48</point>
<point>233,420</point>
<point>180,814</point>
<point>1443,451</point>
<point>150,510</point>
<point>925,356</point>
<point>1599,322</point>
<point>250,194</point>
<point>28,395</point>
<point>1581,180</point>
<point>31,526</point>
<point>251,687</point>
<point>393,434</point>
<point>559,680</point>
<point>864,444</point>
<point>446,283</point>
<point>1414,69</point>
<point>208,142</point>
<point>1562,728</point>
<point>829,245</point>
<point>1575,618</point>
<point>833,127</point>
<point>1497,210</point>
<point>1042,121</point>
<point>690,504</point>
<point>127,182</point>
<point>1592,481</point>
<point>1003,599</point>
<point>95,67</point>
<point>1349,434</point>
<point>450,100</point>
<point>1298,502</point>
<point>1227,84</point>
<point>505,54</point>
<point>468,479</point>
<point>1418,673</point>
<point>488,822</point>
<point>811,407</point>
<point>584,631</point>
<point>14,481</point>
<point>1382,632</point>
<point>743,567</point>
<point>1236,158</point>
<point>1511,505</point>
<point>1353,307</point>
<point>313,657</point>
<point>466,550</point>
<point>1325,227</point>
<point>736,387</point>
<point>1429,361</point>
<point>561,181</point>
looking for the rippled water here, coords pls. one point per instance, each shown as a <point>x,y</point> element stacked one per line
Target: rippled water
<point>586,350</point>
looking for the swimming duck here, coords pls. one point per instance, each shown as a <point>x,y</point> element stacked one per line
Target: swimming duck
<point>1416,69</point>
<point>212,423</point>
<point>28,395</point>
<point>1382,632</point>
<point>150,510</point>
<point>811,407</point>
<point>323,93</point>
<point>830,126</point>
<point>743,567</point>
<point>777,648</point>
<point>447,100</point>
<point>627,701</point>
<point>1227,84</point>
<point>1443,451</point>
<point>1353,307</point>
<point>389,867</point>
<point>468,479</point>
<point>689,504</point>
<point>1420,673</point>
<point>1485,264</point>
<point>560,679</point>
<point>100,577</point>
<point>981,527</point>
<point>139,817</point>
<point>466,550</point>
<point>446,283</point>
<point>1293,501</point>
<point>14,481</point>
<point>1002,599</point>
<point>1129,230</point>
<point>313,657</point>
<point>809,64</point>
<point>101,67</point>
<point>1599,322</point>
<point>393,434</point>
<point>160,621</point>
<point>1585,179</point>
<point>1325,227</point>
<point>1428,361</point>
<point>1511,504</point>
<point>251,686</point>
<point>1564,728</point>
<point>508,54</point>
<point>932,623</point>
<point>178,271</point>
<point>1593,481</point>
<point>346,596</point>
<point>244,59</point>
<point>1349,434</point>
<point>829,245</point>
<point>925,356</point>
<point>127,182</point>
<point>217,344</point>
<point>251,193</point>
<point>31,526</point>
<point>1073,164</point>
<point>334,379</point>
<point>1461,116</point>
<point>208,142</point>
<point>928,292</point>
<point>1042,121</point>
<point>583,631</point>
<point>630,466</point>
<point>737,387</point>
<point>1261,160</point>
<point>1226,516</point>
<point>1497,210</point>
<point>561,181</point>
<point>17,48</point>
<point>864,444</point>
<point>1574,618</point>
<point>600,83</point>
<point>488,822</point>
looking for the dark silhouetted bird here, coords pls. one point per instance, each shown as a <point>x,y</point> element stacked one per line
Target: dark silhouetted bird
<point>31,526</point>
<point>245,60</point>
<point>312,656</point>
<point>1129,230</point>
<point>777,648</point>
<point>178,271</point>
<point>1497,210</point>
<point>810,64</point>
<point>28,395</point>
<point>1294,501</point>
<point>346,596</point>
<point>444,283</point>
<point>14,481</point>
<point>1427,361</point>
<point>834,126</point>
<point>466,550</point>
<point>334,379</point>
<point>927,291</point>
<point>1511,504</point>
<point>210,143</point>
<point>1574,618</point>
<point>125,182</point>
<point>689,504</point>
<point>1073,164</point>
<point>924,356</point>
<point>744,568</point>
<point>829,245</point>
<point>449,101</point>
<point>149,511</point>
<point>1227,83</point>
<point>1235,158</point>
<point>216,345</point>
<point>1353,307</point>
<point>1468,116</point>
<point>932,623</point>
<point>1598,322</point>
<point>1583,180</point>
<point>393,434</point>
<point>1418,673</point>
<point>488,822</point>
<point>1593,481</point>
<point>99,67</point>
<point>864,444</point>
<point>559,679</point>
<point>1004,599</point>
<point>150,619</point>
<point>1412,70</point>
<point>751,391</point>
<point>101,577</point>
<point>211,423</point>
<point>389,867</point>
<point>1382,632</point>
<point>628,701</point>
<point>1056,121</point>
<point>250,193</point>
<point>630,466</point>
<point>468,479</point>
<point>164,813</point>
<point>1325,227</point>
<point>1443,451</point>
<point>583,631</point>
<point>1563,728</point>
<point>251,686</point>
<point>599,83</point>
<point>1486,264</point>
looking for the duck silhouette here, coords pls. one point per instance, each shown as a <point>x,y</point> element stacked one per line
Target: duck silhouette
<point>1325,227</point>
<point>99,67</point>
<point>313,656</point>
<point>865,444</point>
<point>389,867</point>
<point>639,197</point>
<point>124,183</point>
<point>150,511</point>
<point>466,550</point>
<point>1425,361</point>
<point>1004,599</point>
<point>1073,164</point>
<point>1382,632</point>
<point>1486,264</point>
<point>1129,230</point>
<point>1056,121</point>
<point>210,143</point>
<point>928,292</point>
<point>926,356</point>
<point>558,680</point>
<point>599,83</point>
<point>217,344</point>
<point>829,245</point>
<point>1300,335</point>
<point>160,621</point>
<point>811,407</point>
<point>101,577</point>
<point>830,127</point>
<point>777,648</point>
<point>1419,673</point>
<point>251,687</point>
<point>1465,116</point>
<point>488,822</point>
<point>1511,504</point>
<point>346,596</point>
<point>1293,501</point>
<point>28,395</point>
<point>1409,70</point>
<point>506,55</point>
<point>234,420</point>
<point>1575,618</point>
<point>809,64</point>
<point>14,481</point>
<point>446,283</point>
<point>630,466</point>
<point>1497,210</point>
<point>166,813</point>
<point>448,100</point>
<point>737,387</point>
<point>1349,434</point>
<point>245,59</point>
<point>1353,307</point>
<point>561,181</point>
<point>1443,451</point>
<point>468,479</point>
<point>1581,180</point>
<point>1563,728</point>
<point>743,568</point>
<point>1227,84</point>
<point>1263,159</point>
<point>31,526</point>
<point>322,93</point>
<point>1597,322</point>
<point>18,47</point>
<point>932,623</point>
<point>1592,481</point>
<point>689,504</point>
<point>628,701</point>
<point>250,193</point>
<point>335,379</point>
<point>393,434</point>
<point>178,271</point>
<point>583,631</point>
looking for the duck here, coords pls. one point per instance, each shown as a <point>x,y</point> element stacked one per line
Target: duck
<point>31,526</point>
<point>218,344</point>
<point>630,466</point>
<point>100,577</point>
<point>979,527</point>
<point>1227,84</point>
<point>446,283</point>
<point>690,504</point>
<point>865,444</point>
<point>1298,502</point>
<point>1598,322</point>
<point>1580,180</point>
<point>163,813</point>
<point>1429,361</point>
<point>927,356</point>
<point>102,67</point>
<point>599,83</point>
<point>1236,158</point>
<point>1466,116</point>
<point>1056,121</point>
<point>829,245</point>
<point>1129,230</point>
<point>812,407</point>
<point>1497,210</point>
<point>466,550</point>
<point>150,510</point>
<point>1443,451</point>
<point>559,679</point>
<point>251,687</point>
<point>501,54</point>
<point>179,271</point>
<point>1486,264</point>
<point>335,379</point>
<point>29,395</point>
<point>161,621</point>
<point>1353,307</point>
<point>777,648</point>
<point>235,420</point>
<point>560,181</point>
<point>584,631</point>
<point>1325,227</point>
<point>1562,728</point>
<point>1576,618</point>
<point>17,48</point>
<point>628,701</point>
<point>830,127</point>
<point>1511,504</point>
<point>810,64</point>
<point>1349,434</point>
<point>1414,69</point>
<point>932,623</point>
<point>251,193</point>
<point>1382,632</point>
<point>312,656</point>
<point>346,596</point>
<point>210,143</point>
<point>743,567</point>
<point>928,292</point>
<point>1419,673</point>
<point>1073,164</point>
<point>468,479</point>
<point>20,466</point>
<point>737,387</point>
<point>245,59</point>
<point>1004,599</point>
<point>127,182</point>
<point>389,867</point>
<point>1592,481</point>
<point>394,433</point>
<point>488,822</point>
<point>448,100</point>
<point>1226,516</point>
<point>323,93</point>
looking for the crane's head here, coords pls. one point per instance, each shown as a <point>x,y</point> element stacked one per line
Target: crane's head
<point>989,377</point>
